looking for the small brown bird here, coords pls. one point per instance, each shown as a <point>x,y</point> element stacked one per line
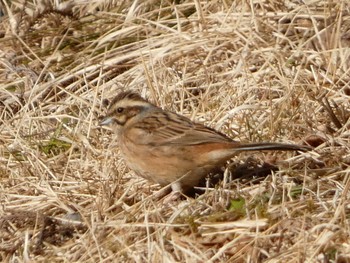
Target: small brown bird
<point>170,149</point>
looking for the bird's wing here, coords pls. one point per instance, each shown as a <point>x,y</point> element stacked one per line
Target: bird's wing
<point>167,128</point>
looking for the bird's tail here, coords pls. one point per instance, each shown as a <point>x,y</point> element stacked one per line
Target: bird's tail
<point>272,146</point>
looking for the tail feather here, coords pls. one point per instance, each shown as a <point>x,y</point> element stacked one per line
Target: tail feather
<point>273,146</point>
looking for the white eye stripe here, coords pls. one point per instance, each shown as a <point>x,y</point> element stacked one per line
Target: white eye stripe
<point>129,103</point>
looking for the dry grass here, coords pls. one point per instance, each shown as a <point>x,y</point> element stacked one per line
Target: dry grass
<point>256,70</point>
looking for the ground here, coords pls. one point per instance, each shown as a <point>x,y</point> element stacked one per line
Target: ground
<point>255,70</point>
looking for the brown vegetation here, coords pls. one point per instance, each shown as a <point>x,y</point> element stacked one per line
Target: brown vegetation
<point>256,70</point>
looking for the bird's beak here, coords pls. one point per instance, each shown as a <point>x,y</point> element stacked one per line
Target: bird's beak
<point>106,121</point>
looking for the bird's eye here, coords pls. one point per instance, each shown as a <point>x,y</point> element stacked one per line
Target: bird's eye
<point>120,110</point>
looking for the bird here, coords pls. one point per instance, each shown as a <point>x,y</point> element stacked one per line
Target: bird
<point>169,149</point>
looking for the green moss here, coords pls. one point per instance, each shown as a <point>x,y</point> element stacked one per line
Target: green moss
<point>237,206</point>
<point>331,253</point>
<point>260,204</point>
<point>296,191</point>
<point>54,147</point>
